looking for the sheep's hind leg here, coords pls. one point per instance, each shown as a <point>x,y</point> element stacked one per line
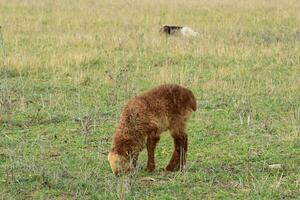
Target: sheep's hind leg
<point>180,138</point>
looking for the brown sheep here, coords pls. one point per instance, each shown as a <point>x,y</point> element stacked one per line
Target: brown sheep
<point>144,118</point>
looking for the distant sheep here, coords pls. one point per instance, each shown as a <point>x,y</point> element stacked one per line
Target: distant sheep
<point>144,118</point>
<point>178,30</point>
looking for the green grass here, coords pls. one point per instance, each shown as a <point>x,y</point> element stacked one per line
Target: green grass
<point>68,67</point>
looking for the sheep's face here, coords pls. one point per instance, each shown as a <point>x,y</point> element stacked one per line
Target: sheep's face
<point>118,163</point>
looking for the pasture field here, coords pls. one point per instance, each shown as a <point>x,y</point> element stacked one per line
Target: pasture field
<point>67,68</point>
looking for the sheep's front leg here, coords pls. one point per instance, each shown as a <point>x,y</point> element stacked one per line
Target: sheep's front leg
<point>151,144</point>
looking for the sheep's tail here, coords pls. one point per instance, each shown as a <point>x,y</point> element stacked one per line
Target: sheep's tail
<point>192,103</point>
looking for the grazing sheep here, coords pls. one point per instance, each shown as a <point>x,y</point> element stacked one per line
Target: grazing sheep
<point>144,118</point>
<point>178,30</point>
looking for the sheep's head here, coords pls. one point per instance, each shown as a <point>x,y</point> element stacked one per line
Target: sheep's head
<point>164,29</point>
<point>118,163</point>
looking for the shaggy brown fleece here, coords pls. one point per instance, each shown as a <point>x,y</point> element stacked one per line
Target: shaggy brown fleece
<point>144,118</point>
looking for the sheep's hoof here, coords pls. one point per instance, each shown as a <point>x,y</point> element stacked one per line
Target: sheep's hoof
<point>172,168</point>
<point>150,168</point>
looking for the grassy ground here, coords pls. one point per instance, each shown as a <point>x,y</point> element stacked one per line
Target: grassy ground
<point>68,67</point>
